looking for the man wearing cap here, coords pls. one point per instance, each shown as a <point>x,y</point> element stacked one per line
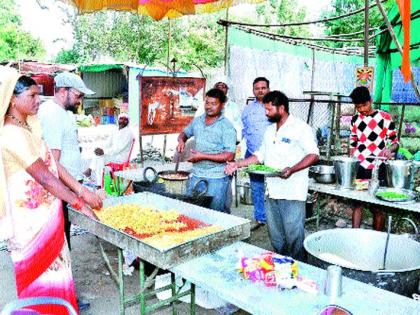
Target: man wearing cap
<point>116,150</point>
<point>59,128</point>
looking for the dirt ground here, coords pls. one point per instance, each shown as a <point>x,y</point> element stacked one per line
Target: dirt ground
<point>94,284</point>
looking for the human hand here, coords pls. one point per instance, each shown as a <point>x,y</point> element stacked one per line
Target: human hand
<point>181,146</point>
<point>286,173</point>
<point>89,212</point>
<point>92,199</point>
<point>195,156</point>
<point>386,153</point>
<point>99,151</point>
<point>231,167</point>
<point>101,193</point>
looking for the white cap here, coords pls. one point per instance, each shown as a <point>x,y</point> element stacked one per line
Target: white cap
<point>71,80</point>
<point>125,115</point>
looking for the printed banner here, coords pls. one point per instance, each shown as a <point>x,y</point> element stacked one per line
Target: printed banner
<point>168,104</point>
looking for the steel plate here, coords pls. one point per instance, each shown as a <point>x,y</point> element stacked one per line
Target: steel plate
<point>265,173</point>
<point>233,229</point>
<point>411,195</point>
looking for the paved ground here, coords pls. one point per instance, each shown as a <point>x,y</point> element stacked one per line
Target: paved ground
<point>93,282</point>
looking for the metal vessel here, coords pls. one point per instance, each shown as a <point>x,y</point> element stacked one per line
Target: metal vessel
<point>360,253</point>
<point>400,173</point>
<point>345,171</point>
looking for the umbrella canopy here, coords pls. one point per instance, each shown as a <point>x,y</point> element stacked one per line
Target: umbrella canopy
<point>157,9</point>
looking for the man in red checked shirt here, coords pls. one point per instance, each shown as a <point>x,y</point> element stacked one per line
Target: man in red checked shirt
<point>372,134</point>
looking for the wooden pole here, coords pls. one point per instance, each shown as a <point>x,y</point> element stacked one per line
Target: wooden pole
<point>397,43</point>
<point>366,51</point>
<point>168,56</point>
<point>226,41</point>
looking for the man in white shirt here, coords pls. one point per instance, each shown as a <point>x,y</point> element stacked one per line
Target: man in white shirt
<point>116,150</point>
<point>59,129</point>
<point>289,145</point>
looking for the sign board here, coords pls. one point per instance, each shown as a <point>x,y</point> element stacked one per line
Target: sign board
<point>168,104</point>
<point>364,77</point>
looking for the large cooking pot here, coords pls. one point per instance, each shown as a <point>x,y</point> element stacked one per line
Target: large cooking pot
<point>360,253</point>
<point>400,173</point>
<point>175,182</point>
<point>345,171</point>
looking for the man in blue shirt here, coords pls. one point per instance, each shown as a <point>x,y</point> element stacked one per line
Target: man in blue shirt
<point>215,144</point>
<point>255,122</point>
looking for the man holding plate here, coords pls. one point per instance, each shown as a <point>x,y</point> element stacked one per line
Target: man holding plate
<point>288,145</point>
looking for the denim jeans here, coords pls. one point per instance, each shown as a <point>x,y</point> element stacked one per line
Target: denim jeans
<point>258,194</point>
<point>286,226</point>
<point>217,188</point>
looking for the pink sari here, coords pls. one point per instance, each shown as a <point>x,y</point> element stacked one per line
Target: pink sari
<point>38,248</point>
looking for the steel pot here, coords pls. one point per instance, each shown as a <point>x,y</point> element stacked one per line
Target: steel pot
<point>360,253</point>
<point>345,171</point>
<point>245,194</point>
<point>324,174</point>
<point>400,173</point>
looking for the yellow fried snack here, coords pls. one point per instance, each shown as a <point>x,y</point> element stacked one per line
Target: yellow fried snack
<point>140,219</point>
<point>160,229</point>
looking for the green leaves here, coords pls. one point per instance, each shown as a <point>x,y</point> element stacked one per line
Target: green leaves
<point>15,43</point>
<point>124,36</point>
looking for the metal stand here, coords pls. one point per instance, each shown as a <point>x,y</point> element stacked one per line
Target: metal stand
<point>145,283</point>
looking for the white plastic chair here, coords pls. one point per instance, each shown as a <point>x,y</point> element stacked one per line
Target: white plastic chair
<point>17,305</point>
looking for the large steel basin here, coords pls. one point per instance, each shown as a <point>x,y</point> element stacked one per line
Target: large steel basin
<point>360,253</point>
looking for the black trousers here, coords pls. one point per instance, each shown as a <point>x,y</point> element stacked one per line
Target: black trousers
<point>67,223</point>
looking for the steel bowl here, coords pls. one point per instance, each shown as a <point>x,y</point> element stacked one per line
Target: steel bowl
<point>324,174</point>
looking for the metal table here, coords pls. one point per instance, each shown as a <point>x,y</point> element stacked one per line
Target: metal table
<point>232,229</point>
<point>363,196</point>
<point>217,273</point>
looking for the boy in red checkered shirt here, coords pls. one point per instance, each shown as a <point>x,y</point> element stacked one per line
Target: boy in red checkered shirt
<point>372,134</point>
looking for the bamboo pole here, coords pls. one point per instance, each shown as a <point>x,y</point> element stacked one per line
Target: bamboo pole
<point>397,43</point>
<point>168,56</point>
<point>226,41</point>
<point>366,36</point>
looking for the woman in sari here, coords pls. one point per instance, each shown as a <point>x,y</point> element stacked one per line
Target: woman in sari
<point>32,184</point>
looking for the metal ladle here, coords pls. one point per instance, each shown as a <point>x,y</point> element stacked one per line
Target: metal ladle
<point>387,241</point>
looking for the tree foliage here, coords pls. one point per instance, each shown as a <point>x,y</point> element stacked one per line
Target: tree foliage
<point>283,11</point>
<point>354,23</point>
<point>125,36</point>
<point>15,43</point>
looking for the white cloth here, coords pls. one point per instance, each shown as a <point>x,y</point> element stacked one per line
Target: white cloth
<point>116,150</point>
<point>232,112</point>
<point>119,145</point>
<point>59,130</point>
<point>284,148</point>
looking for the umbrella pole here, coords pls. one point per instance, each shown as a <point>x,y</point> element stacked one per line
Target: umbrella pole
<point>226,40</point>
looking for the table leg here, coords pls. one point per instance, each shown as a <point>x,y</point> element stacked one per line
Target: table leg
<point>173,289</point>
<point>236,189</point>
<point>318,211</point>
<point>121,281</point>
<point>142,288</point>
<point>192,289</point>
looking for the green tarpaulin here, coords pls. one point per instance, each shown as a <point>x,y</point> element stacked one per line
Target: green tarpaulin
<point>389,58</point>
<point>100,67</point>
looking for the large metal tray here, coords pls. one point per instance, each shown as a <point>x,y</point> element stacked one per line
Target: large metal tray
<point>233,229</point>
